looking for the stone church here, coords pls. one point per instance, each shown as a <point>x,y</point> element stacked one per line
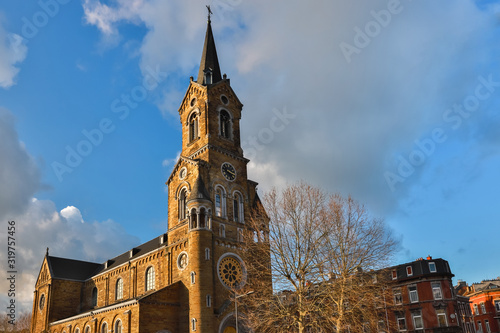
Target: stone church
<point>180,281</point>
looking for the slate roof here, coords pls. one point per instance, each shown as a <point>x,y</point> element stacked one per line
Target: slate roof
<point>70,269</point>
<point>199,191</point>
<point>209,58</point>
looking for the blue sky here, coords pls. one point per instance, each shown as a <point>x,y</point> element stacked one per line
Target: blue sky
<point>393,102</point>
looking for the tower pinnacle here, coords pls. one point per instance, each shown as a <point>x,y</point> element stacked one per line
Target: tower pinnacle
<point>209,71</point>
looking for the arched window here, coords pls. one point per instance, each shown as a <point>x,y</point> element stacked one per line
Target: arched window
<point>94,297</point>
<point>193,127</point>
<point>193,277</point>
<point>193,217</point>
<point>209,301</point>
<point>77,330</point>
<point>87,329</point>
<point>238,215</point>
<point>118,326</point>
<point>207,253</point>
<point>225,124</point>
<point>201,218</point>
<point>220,201</point>
<point>119,289</point>
<point>182,204</point>
<point>222,230</point>
<point>150,278</point>
<point>104,327</point>
<point>193,324</point>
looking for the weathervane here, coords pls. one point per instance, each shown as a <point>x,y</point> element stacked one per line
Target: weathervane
<point>209,12</point>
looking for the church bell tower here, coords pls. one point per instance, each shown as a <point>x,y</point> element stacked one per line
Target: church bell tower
<point>210,196</point>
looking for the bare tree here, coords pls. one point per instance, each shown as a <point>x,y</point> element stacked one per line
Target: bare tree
<point>21,324</point>
<point>323,254</point>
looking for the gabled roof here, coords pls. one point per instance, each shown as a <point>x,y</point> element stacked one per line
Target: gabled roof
<point>70,269</point>
<point>209,60</point>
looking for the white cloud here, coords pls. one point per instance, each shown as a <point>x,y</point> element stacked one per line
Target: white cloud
<point>72,214</point>
<point>13,51</point>
<point>38,224</point>
<point>353,118</point>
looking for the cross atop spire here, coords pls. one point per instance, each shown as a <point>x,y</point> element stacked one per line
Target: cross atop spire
<point>209,71</point>
<point>209,13</point>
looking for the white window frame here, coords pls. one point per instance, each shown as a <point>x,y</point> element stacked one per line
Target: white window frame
<point>479,326</point>
<point>394,274</point>
<point>436,289</point>
<point>150,278</point>
<point>398,320</point>
<point>193,277</point>
<point>487,325</point>
<point>418,316</point>
<point>397,292</point>
<point>432,267</point>
<point>119,289</point>
<point>476,309</point>
<point>409,271</point>
<point>193,324</point>
<point>497,305</point>
<point>483,308</point>
<point>413,292</point>
<point>442,313</point>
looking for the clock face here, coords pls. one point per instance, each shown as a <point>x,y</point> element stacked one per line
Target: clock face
<point>228,171</point>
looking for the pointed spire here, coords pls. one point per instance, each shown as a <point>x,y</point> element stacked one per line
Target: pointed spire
<point>199,191</point>
<point>209,71</point>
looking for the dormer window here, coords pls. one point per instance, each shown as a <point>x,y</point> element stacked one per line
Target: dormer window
<point>208,76</point>
<point>193,127</point>
<point>225,125</point>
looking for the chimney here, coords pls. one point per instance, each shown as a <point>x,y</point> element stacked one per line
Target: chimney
<point>429,258</point>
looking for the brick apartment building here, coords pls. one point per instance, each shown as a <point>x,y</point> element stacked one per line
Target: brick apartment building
<point>484,300</point>
<point>180,281</point>
<point>424,299</point>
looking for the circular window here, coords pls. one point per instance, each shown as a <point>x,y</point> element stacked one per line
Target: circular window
<point>224,99</point>
<point>182,173</point>
<point>42,302</point>
<point>193,102</point>
<point>182,260</point>
<point>230,272</point>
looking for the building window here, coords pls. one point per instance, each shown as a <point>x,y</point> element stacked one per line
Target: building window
<point>394,274</point>
<point>94,297</point>
<point>225,124</point>
<point>118,326</point>
<point>193,127</point>
<point>193,277</point>
<point>409,271</point>
<point>207,253</point>
<point>497,305</point>
<point>413,294</point>
<point>238,207</point>
<point>182,204</point>
<point>150,278</point>
<point>398,297</point>
<point>119,289</point>
<point>487,324</point>
<point>222,230</point>
<point>87,329</point>
<point>209,301</point>
<point>476,310</point>
<point>193,324</point>
<point>77,330</point>
<point>432,267</point>
<point>418,323</point>
<point>220,201</point>
<point>441,316</point>
<point>483,308</point>
<point>42,302</point>
<point>239,234</point>
<point>479,326</point>
<point>401,324</point>
<point>436,290</point>
<point>104,327</point>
